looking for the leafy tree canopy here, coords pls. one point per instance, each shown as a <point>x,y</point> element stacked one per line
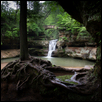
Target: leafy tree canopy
<point>38,15</point>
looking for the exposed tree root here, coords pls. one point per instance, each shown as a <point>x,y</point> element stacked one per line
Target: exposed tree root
<point>36,73</point>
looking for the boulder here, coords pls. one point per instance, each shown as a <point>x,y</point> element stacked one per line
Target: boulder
<point>59,53</point>
<point>60,44</point>
<point>81,52</point>
<point>92,55</point>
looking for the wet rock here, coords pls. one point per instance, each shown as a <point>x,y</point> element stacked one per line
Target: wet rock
<point>59,53</point>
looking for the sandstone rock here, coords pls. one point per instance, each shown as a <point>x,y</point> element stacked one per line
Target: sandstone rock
<point>92,55</point>
<point>36,52</point>
<point>58,53</point>
<point>75,40</point>
<point>38,44</point>
<point>81,52</point>
<point>16,52</point>
<point>10,53</point>
<point>77,55</point>
<point>85,52</point>
<point>60,44</point>
<point>88,66</point>
<point>69,50</point>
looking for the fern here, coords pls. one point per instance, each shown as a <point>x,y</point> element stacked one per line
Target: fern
<point>82,32</point>
<point>8,33</point>
<point>81,29</point>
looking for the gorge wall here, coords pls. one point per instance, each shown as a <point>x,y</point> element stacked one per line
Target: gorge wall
<point>68,45</point>
<point>37,45</point>
<point>72,45</point>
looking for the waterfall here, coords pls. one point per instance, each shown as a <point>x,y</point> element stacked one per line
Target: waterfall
<point>52,47</point>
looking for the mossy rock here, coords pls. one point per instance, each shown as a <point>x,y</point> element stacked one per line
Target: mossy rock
<point>64,77</point>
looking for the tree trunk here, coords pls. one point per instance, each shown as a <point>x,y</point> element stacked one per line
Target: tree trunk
<point>94,27</point>
<point>23,31</point>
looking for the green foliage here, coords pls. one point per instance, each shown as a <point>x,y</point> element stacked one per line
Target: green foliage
<point>64,77</point>
<point>72,25</point>
<point>65,38</point>
<point>49,20</point>
<point>65,20</point>
<point>38,15</point>
<point>8,33</point>
<point>16,32</point>
<point>52,9</point>
<point>34,18</point>
<point>10,21</point>
<point>34,27</point>
<point>13,33</point>
<point>52,33</point>
<point>82,31</point>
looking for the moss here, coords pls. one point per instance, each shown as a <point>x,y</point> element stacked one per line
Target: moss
<point>53,65</point>
<point>64,77</point>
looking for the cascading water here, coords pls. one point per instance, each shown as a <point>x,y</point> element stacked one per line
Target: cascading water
<point>52,47</point>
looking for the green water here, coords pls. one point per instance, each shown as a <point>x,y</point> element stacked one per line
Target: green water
<point>66,62</point>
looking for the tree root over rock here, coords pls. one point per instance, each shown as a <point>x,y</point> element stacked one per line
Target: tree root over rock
<point>21,78</point>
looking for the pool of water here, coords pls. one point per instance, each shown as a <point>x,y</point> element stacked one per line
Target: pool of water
<point>59,61</point>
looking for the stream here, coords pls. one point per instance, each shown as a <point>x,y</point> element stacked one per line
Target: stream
<point>59,61</point>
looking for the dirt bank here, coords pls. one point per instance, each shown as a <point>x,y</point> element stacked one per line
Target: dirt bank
<point>10,53</point>
<point>3,65</point>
